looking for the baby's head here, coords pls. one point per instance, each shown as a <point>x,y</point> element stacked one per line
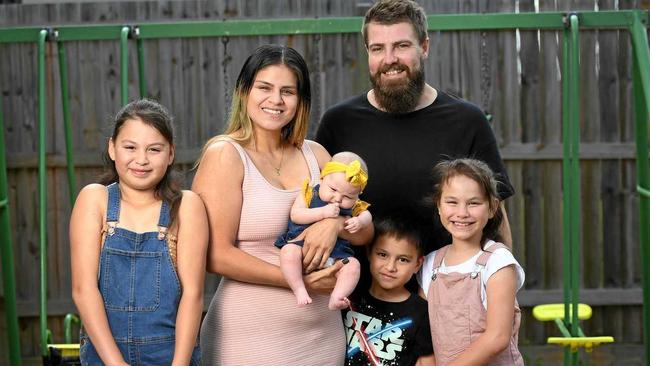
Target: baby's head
<point>467,198</point>
<point>342,179</point>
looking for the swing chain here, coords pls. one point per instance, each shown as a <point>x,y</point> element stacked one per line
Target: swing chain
<point>224,67</point>
<point>485,77</point>
<point>317,77</point>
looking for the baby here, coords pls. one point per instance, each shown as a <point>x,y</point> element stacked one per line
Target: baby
<point>342,180</point>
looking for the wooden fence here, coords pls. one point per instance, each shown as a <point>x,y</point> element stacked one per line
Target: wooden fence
<point>513,75</point>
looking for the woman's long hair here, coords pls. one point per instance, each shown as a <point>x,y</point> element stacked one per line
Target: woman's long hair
<point>268,55</point>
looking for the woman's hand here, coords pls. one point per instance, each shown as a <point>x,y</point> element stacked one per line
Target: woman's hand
<point>322,281</point>
<point>319,239</point>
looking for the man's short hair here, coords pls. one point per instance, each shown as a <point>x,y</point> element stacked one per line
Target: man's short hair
<point>389,12</point>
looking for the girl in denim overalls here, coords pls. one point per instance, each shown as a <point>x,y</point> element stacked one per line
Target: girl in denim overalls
<point>470,285</point>
<point>138,250</point>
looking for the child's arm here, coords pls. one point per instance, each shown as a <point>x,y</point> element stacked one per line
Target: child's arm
<point>301,214</point>
<point>501,289</point>
<point>191,250</point>
<point>428,360</point>
<point>354,224</point>
<point>86,224</point>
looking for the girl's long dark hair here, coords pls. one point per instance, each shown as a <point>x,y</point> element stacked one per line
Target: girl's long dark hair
<point>481,173</point>
<point>155,115</point>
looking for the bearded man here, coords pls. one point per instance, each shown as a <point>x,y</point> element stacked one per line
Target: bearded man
<point>403,126</point>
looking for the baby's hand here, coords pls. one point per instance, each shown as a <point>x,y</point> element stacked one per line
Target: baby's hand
<point>353,224</point>
<point>331,210</point>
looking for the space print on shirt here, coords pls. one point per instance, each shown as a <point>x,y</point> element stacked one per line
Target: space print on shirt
<point>384,333</point>
<point>375,338</point>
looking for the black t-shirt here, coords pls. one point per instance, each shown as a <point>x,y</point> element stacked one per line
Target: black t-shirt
<point>401,151</point>
<point>398,332</point>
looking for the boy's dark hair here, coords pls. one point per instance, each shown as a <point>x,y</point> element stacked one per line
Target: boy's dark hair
<point>399,226</point>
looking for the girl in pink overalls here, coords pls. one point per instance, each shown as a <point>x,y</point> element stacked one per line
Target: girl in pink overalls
<point>470,285</point>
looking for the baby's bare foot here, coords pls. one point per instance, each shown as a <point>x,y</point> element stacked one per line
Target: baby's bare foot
<point>338,303</point>
<point>302,298</point>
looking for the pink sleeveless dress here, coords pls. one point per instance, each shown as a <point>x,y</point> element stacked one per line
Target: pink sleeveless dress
<point>248,324</point>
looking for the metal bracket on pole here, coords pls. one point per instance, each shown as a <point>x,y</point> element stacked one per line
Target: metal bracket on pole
<point>52,34</point>
<point>135,32</point>
<point>642,191</point>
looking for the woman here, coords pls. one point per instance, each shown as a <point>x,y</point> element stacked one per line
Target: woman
<point>248,179</point>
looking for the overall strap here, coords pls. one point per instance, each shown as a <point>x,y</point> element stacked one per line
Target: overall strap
<point>437,261</point>
<point>163,221</point>
<point>164,215</point>
<point>440,255</point>
<point>487,252</point>
<point>113,209</point>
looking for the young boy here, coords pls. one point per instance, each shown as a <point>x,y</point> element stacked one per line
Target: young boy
<point>387,324</point>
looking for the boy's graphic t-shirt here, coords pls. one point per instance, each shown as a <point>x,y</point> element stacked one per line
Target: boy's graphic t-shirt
<point>386,333</point>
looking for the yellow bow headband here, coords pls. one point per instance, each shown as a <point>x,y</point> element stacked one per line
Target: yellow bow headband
<point>353,172</point>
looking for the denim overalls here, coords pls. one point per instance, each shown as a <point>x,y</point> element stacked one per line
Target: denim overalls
<point>141,292</point>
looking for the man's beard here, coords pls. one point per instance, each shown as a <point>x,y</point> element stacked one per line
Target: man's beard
<point>398,96</point>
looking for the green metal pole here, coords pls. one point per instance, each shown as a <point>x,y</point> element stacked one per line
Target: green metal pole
<point>67,326</point>
<point>141,70</point>
<point>641,132</point>
<point>574,119</point>
<point>642,56</point>
<point>124,64</point>
<point>63,72</point>
<point>42,189</point>
<point>641,82</point>
<point>575,170</point>
<point>7,254</point>
<point>566,188</point>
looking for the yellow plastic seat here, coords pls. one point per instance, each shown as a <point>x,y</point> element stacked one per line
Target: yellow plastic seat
<point>555,312</point>
<point>576,342</point>
<point>66,350</point>
<point>548,312</point>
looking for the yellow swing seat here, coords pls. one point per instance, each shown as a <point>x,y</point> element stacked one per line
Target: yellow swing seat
<point>66,350</point>
<point>588,343</point>
<point>548,312</point>
<point>555,312</point>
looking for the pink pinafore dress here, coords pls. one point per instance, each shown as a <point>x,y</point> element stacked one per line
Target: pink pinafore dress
<point>457,315</point>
